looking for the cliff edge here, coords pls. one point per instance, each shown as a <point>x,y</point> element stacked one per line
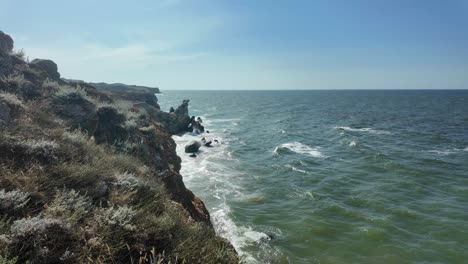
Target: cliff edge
<point>92,176</point>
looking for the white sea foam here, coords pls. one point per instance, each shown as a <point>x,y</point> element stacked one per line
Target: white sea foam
<point>300,148</point>
<point>295,169</point>
<point>353,143</point>
<point>209,177</point>
<point>365,129</point>
<point>442,152</point>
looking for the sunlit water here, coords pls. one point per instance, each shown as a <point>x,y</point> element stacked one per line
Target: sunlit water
<point>333,176</point>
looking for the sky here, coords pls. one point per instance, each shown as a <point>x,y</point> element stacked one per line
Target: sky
<point>245,44</point>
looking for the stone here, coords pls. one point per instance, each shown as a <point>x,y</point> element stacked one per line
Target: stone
<point>109,127</point>
<point>6,43</point>
<point>49,66</point>
<point>192,147</point>
<point>76,110</point>
<point>182,110</point>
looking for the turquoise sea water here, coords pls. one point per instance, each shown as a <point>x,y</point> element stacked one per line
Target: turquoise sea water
<point>333,176</point>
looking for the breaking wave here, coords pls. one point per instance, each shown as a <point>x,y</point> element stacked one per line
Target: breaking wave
<point>298,147</point>
<point>364,129</point>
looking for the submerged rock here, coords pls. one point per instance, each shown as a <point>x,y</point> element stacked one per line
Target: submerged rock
<point>192,147</point>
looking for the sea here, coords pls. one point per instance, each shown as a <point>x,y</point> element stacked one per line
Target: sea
<point>317,176</point>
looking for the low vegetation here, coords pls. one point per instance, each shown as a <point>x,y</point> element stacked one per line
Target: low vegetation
<point>72,193</point>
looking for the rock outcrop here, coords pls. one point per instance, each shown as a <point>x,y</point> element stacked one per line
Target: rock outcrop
<point>6,43</point>
<point>93,176</point>
<point>49,66</point>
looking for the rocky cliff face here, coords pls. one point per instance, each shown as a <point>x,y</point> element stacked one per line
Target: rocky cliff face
<point>92,176</point>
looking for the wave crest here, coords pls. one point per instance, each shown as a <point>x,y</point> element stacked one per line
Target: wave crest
<point>298,147</point>
<point>364,129</point>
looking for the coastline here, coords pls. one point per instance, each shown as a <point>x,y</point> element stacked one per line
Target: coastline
<point>102,172</point>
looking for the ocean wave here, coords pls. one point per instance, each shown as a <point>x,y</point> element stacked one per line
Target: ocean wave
<point>448,151</point>
<point>210,177</point>
<point>299,148</point>
<point>353,143</point>
<point>364,129</point>
<point>222,120</point>
<point>295,169</point>
<point>442,152</point>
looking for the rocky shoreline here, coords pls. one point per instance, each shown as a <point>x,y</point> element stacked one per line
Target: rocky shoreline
<point>91,175</point>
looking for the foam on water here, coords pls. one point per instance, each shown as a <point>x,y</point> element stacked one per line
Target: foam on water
<point>442,152</point>
<point>352,143</point>
<point>364,129</point>
<point>295,169</point>
<point>300,148</point>
<point>209,177</point>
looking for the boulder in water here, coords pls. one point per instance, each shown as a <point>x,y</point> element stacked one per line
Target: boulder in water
<point>192,147</point>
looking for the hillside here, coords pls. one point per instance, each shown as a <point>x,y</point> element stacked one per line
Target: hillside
<point>90,176</point>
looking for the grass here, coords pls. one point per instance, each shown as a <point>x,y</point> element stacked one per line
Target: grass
<point>133,214</point>
<point>66,199</point>
<point>15,79</point>
<point>11,99</point>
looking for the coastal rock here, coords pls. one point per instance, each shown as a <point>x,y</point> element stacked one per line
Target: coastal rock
<point>78,111</point>
<point>135,96</point>
<point>120,87</point>
<point>88,200</point>
<point>192,147</point>
<point>176,122</point>
<point>182,110</point>
<point>6,43</point>
<point>49,66</point>
<point>109,126</point>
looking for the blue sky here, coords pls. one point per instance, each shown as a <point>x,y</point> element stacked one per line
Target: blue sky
<point>244,44</point>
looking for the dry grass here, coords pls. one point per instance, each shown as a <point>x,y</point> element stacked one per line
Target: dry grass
<point>15,79</point>
<point>65,199</point>
<point>11,99</point>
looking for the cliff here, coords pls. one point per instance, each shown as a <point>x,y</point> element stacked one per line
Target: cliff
<point>92,176</point>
